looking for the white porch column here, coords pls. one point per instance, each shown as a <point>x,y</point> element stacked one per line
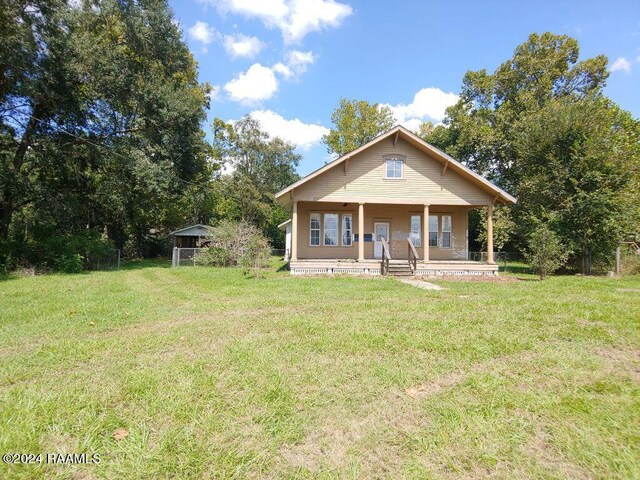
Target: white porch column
<point>490,234</point>
<point>361,232</point>
<point>425,232</point>
<point>294,232</point>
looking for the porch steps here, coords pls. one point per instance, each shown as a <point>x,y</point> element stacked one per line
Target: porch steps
<point>400,269</point>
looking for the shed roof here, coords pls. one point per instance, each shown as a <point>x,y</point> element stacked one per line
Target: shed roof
<point>193,231</point>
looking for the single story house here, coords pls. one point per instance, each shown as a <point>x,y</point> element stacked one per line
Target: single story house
<point>396,204</point>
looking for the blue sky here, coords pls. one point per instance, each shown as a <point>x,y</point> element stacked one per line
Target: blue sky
<point>290,61</point>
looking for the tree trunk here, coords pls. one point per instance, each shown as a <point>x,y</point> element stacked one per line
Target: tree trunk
<point>8,200</point>
<point>6,211</point>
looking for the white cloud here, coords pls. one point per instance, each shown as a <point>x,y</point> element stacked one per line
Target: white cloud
<point>242,45</point>
<point>256,84</point>
<point>621,63</point>
<point>283,70</point>
<point>304,135</point>
<point>294,18</point>
<point>203,33</point>
<point>295,64</point>
<point>429,103</point>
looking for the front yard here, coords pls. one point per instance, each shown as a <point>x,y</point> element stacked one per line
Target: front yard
<point>202,373</point>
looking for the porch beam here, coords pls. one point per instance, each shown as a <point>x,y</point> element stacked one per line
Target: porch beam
<point>294,232</point>
<point>361,232</point>
<point>425,230</point>
<point>490,234</point>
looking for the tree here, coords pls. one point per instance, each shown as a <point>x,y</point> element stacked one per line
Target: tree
<point>100,113</point>
<point>480,127</point>
<point>356,122</point>
<point>260,166</point>
<point>540,127</point>
<point>582,170</point>
<point>545,253</point>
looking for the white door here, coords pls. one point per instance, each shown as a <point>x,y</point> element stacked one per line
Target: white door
<point>381,230</point>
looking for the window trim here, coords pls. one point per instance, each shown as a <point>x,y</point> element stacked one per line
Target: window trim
<point>311,214</point>
<point>342,232</point>
<point>419,237</point>
<point>397,158</point>
<point>324,216</point>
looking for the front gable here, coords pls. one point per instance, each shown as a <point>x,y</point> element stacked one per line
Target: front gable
<point>361,178</point>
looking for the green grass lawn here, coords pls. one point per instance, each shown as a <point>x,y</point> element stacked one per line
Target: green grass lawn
<point>214,375</point>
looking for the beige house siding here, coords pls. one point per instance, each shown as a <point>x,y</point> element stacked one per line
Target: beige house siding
<point>362,179</point>
<point>398,217</point>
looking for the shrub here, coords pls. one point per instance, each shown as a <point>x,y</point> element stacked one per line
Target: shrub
<point>69,263</point>
<point>256,254</point>
<point>236,244</point>
<point>545,253</point>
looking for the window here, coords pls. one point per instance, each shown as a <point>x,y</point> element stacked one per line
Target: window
<point>393,168</point>
<point>446,231</point>
<point>347,228</point>
<point>314,230</point>
<point>433,230</point>
<point>331,229</point>
<point>416,230</point>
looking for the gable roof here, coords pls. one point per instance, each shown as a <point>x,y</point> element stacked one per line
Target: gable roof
<point>413,139</point>
<point>198,230</point>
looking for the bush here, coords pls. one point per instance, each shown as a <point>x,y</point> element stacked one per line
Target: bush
<point>545,253</point>
<point>256,254</point>
<point>236,244</point>
<point>69,263</point>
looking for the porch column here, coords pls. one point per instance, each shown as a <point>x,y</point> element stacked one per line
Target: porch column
<point>361,232</point>
<point>425,232</point>
<point>490,234</point>
<point>294,232</point>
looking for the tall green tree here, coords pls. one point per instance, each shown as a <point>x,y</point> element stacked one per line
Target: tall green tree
<point>540,127</point>
<point>100,119</point>
<point>258,166</point>
<point>479,128</point>
<point>356,122</point>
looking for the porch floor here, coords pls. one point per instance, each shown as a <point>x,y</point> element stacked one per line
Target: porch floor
<point>323,266</point>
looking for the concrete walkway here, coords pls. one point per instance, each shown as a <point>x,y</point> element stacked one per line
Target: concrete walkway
<point>420,284</point>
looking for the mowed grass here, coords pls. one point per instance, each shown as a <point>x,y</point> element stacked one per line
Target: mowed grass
<point>214,375</point>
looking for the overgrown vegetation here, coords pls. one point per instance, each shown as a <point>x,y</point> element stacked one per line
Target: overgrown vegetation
<point>236,244</point>
<point>212,375</point>
<point>545,253</point>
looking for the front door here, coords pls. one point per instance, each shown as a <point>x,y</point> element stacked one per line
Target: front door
<point>381,230</point>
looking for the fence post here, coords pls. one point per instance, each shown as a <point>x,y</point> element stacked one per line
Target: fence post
<point>618,261</point>
<point>118,259</point>
<point>174,258</point>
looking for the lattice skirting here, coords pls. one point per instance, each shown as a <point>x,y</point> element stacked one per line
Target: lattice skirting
<point>462,272</point>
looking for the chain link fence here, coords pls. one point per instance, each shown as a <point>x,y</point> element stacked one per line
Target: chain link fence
<point>109,261</point>
<point>498,257</point>
<point>185,257</point>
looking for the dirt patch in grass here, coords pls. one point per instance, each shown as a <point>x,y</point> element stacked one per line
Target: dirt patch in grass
<point>439,384</point>
<point>627,360</point>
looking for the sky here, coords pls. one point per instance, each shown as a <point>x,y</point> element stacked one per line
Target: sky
<point>289,62</point>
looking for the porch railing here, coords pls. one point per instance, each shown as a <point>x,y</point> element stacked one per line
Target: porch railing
<point>386,257</point>
<point>413,256</point>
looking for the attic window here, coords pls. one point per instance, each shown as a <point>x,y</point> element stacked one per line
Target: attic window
<point>393,167</point>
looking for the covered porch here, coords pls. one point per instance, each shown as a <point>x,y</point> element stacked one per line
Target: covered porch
<point>355,238</point>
